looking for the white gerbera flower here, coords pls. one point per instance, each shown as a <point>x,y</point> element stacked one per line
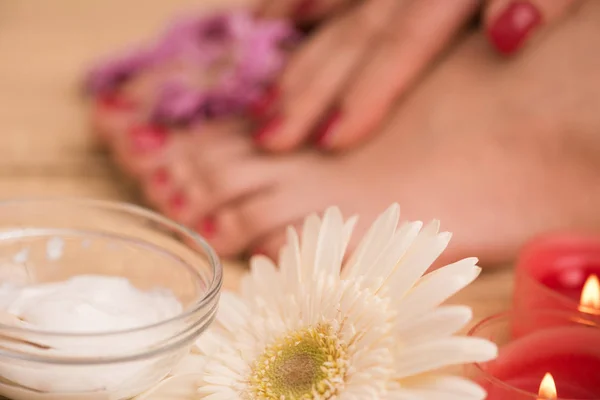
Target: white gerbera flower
<point>311,329</point>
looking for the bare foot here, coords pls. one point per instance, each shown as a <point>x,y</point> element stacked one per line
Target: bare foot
<point>200,69</point>
<point>498,151</point>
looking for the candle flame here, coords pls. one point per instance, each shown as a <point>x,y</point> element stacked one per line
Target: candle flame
<point>548,388</point>
<point>590,295</point>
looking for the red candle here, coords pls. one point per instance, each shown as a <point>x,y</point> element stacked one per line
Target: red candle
<point>567,354</point>
<point>553,270</point>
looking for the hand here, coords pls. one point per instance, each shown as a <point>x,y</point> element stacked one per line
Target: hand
<point>341,84</point>
<point>509,24</point>
<point>301,10</point>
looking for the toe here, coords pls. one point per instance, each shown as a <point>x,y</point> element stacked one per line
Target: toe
<point>244,225</point>
<point>216,143</point>
<point>146,138</point>
<point>142,147</point>
<point>259,195</point>
<point>109,112</point>
<point>221,200</point>
<point>223,232</point>
<point>232,183</point>
<point>156,185</point>
<point>180,197</point>
<point>166,175</point>
<point>271,244</point>
<point>187,173</point>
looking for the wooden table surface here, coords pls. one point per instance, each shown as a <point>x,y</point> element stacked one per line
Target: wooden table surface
<point>45,146</point>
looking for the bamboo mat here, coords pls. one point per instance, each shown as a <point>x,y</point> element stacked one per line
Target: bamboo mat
<point>45,146</point>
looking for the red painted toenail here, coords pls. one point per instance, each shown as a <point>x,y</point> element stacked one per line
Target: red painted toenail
<point>512,27</point>
<point>262,107</point>
<point>208,227</point>
<point>160,177</point>
<point>268,129</point>
<point>177,201</point>
<point>326,128</point>
<point>116,102</point>
<point>148,137</point>
<point>304,8</point>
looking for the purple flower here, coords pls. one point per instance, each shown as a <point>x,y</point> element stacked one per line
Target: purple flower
<point>108,75</point>
<point>236,57</point>
<point>200,39</point>
<point>177,103</point>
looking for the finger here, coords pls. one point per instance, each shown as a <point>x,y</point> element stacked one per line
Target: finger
<point>304,64</point>
<point>300,68</point>
<point>417,34</point>
<point>311,97</point>
<point>295,9</point>
<point>300,10</point>
<point>325,9</point>
<point>509,23</point>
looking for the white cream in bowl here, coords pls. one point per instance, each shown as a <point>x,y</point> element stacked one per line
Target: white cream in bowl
<point>95,305</point>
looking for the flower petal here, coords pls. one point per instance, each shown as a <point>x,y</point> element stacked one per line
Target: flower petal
<point>290,263</point>
<point>329,255</point>
<point>310,239</point>
<point>447,387</point>
<point>439,323</point>
<point>233,313</point>
<point>179,387</point>
<point>261,284</point>
<point>392,329</point>
<point>210,341</point>
<point>192,363</point>
<point>426,248</point>
<point>106,75</point>
<point>377,237</point>
<point>348,229</point>
<point>437,287</point>
<point>361,393</point>
<point>423,357</point>
<point>384,265</point>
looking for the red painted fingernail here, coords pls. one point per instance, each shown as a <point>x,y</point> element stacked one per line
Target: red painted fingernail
<point>512,27</point>
<point>160,177</point>
<point>208,227</point>
<point>304,8</point>
<point>116,102</point>
<point>268,129</point>
<point>258,252</point>
<point>148,137</point>
<point>262,107</point>
<point>177,201</point>
<point>325,129</point>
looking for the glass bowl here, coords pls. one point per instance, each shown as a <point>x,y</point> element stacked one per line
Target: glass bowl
<point>52,240</point>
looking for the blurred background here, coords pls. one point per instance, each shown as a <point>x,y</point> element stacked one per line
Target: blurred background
<point>45,47</point>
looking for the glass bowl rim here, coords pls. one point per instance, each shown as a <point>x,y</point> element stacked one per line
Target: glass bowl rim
<point>573,315</point>
<point>213,288</point>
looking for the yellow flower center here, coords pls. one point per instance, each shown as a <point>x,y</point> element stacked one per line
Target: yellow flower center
<point>308,364</point>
